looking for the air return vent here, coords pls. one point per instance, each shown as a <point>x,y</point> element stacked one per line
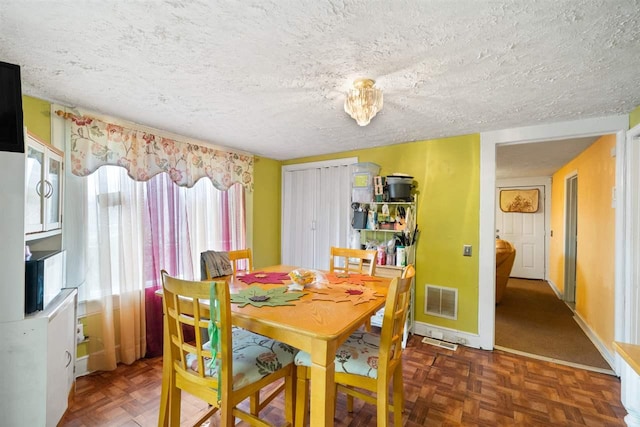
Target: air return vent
<point>441,301</point>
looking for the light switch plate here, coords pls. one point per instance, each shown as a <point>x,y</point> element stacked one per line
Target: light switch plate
<point>466,250</point>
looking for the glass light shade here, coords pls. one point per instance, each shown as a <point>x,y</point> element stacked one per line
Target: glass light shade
<point>363,101</point>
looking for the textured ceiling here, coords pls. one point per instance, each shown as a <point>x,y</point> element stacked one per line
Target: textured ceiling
<point>268,77</point>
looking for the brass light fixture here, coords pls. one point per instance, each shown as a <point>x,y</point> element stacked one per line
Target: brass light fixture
<point>363,101</point>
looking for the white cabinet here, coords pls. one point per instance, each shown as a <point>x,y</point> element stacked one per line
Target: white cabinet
<point>43,189</point>
<point>61,345</point>
<point>38,354</point>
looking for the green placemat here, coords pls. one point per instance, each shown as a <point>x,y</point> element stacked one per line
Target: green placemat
<point>259,297</point>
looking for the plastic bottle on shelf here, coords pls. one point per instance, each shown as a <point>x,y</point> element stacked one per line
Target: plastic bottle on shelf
<point>401,256</point>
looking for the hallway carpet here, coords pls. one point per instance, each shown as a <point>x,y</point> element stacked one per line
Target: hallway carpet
<point>532,319</point>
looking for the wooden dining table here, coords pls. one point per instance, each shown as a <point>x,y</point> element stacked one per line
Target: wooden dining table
<point>314,325</point>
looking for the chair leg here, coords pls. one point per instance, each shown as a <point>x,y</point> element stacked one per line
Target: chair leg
<point>175,396</point>
<point>398,396</point>
<point>226,416</point>
<point>302,401</point>
<point>382,403</point>
<point>290,383</point>
<point>254,403</point>
<point>349,403</point>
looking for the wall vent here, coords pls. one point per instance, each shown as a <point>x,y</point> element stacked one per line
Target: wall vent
<point>439,343</point>
<point>441,301</point>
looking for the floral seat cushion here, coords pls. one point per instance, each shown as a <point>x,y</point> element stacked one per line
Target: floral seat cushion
<point>357,355</point>
<point>254,357</point>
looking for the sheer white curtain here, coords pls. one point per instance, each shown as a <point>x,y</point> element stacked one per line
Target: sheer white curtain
<point>115,208</point>
<point>125,232</point>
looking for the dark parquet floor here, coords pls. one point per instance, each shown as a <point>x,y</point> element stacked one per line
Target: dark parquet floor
<point>466,387</point>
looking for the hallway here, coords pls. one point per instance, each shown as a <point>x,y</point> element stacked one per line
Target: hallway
<point>531,319</point>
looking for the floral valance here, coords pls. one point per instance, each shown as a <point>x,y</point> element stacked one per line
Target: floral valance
<point>95,143</point>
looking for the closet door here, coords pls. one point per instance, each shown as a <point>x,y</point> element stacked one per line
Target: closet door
<point>298,217</point>
<point>315,211</point>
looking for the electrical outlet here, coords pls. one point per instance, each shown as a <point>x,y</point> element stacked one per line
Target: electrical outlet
<point>466,250</point>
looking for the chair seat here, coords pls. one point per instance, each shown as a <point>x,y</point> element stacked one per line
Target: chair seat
<point>358,355</point>
<point>254,357</point>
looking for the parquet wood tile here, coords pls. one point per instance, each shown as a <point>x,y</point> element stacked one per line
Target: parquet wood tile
<point>443,388</point>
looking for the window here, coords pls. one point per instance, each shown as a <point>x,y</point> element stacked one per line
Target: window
<point>135,229</point>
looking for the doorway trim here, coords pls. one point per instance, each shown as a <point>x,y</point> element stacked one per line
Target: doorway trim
<point>570,244</point>
<point>486,255</point>
<point>630,314</point>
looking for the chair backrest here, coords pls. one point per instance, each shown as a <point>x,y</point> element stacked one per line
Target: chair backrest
<point>239,255</point>
<point>214,264</point>
<point>395,316</point>
<point>408,272</point>
<point>361,255</point>
<point>182,307</point>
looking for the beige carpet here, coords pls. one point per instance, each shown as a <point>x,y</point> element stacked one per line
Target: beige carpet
<point>532,319</point>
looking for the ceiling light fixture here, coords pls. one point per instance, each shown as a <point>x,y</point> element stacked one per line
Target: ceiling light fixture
<point>363,101</point>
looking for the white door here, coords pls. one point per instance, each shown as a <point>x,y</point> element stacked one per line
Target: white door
<point>526,232</point>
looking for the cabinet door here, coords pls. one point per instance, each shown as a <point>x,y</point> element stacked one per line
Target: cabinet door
<point>60,360</point>
<point>53,191</point>
<point>34,186</point>
<point>43,191</point>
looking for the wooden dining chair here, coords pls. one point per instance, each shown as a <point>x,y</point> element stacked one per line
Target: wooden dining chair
<point>239,255</point>
<point>243,362</point>
<point>367,361</point>
<point>361,255</point>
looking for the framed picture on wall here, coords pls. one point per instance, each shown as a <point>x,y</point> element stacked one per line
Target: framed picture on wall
<point>524,201</point>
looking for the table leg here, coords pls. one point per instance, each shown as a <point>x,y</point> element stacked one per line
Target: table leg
<point>323,390</point>
<point>163,416</point>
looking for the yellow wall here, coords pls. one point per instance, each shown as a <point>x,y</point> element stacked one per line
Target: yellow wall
<point>447,172</point>
<point>634,117</point>
<point>266,212</point>
<point>595,265</point>
<point>37,117</point>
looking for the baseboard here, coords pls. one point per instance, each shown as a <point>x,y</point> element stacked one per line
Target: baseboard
<point>597,342</point>
<point>446,334</point>
<point>554,288</point>
<point>82,363</point>
<point>557,361</point>
<point>82,368</point>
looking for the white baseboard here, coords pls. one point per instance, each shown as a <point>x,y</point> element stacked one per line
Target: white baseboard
<point>554,288</point>
<point>82,366</point>
<point>604,351</point>
<point>82,363</point>
<point>446,334</point>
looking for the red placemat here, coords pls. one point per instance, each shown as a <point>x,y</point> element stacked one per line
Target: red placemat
<point>351,278</point>
<point>266,277</point>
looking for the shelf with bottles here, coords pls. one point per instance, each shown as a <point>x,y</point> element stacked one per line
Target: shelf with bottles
<point>378,220</point>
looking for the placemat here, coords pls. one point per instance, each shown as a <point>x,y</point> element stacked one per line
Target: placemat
<point>265,277</point>
<point>259,297</point>
<point>344,292</point>
<point>351,278</point>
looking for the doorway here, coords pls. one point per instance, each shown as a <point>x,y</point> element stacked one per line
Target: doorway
<point>598,163</point>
